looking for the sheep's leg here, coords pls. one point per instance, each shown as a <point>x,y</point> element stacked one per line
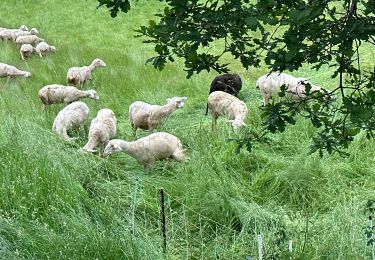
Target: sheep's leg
<point>134,131</point>
<point>265,100</point>
<point>44,108</point>
<point>147,166</point>
<point>81,130</point>
<point>213,124</point>
<point>165,164</point>
<point>206,109</point>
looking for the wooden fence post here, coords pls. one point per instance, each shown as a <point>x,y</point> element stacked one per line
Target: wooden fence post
<point>162,221</point>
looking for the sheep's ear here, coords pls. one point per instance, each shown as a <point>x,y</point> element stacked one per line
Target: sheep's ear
<point>184,98</point>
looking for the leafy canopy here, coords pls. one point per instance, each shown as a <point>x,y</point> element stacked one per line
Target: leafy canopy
<point>316,32</point>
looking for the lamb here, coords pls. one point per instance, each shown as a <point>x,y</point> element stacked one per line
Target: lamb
<point>52,94</point>
<point>26,51</point>
<point>28,39</point>
<point>11,71</point>
<point>6,34</point>
<point>269,85</point>
<point>229,83</point>
<point>102,129</point>
<point>148,117</point>
<point>76,76</point>
<point>16,34</point>
<point>223,104</point>
<point>43,48</point>
<point>73,115</point>
<point>157,146</point>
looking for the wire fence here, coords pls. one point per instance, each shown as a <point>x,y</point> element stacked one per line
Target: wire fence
<point>192,234</point>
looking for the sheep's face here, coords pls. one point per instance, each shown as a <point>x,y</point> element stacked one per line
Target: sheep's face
<point>52,48</point>
<point>24,28</point>
<point>99,63</point>
<point>27,48</point>
<point>111,148</point>
<point>178,101</point>
<point>236,124</point>
<point>93,95</point>
<point>34,31</point>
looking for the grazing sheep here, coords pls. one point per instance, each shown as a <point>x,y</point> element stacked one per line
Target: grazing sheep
<point>73,115</point>
<point>16,34</point>
<point>43,48</point>
<point>148,117</point>
<point>229,83</point>
<point>11,71</point>
<point>6,34</point>
<point>223,104</point>
<point>157,146</point>
<point>76,76</point>
<point>269,85</point>
<point>26,51</point>
<point>52,94</point>
<point>102,129</point>
<point>28,39</point>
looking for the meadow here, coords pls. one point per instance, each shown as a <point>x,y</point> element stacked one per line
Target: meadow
<point>59,203</point>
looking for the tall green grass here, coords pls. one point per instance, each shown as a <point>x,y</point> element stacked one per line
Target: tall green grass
<point>59,203</point>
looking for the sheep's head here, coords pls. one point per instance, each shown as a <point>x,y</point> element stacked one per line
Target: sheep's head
<point>24,28</point>
<point>106,113</point>
<point>34,31</point>
<point>93,94</point>
<point>98,63</point>
<point>177,101</point>
<point>27,75</point>
<point>237,124</point>
<point>52,48</point>
<point>112,147</point>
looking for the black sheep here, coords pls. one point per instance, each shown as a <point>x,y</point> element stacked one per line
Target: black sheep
<point>229,83</point>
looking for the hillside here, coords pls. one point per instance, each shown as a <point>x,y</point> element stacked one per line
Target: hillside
<point>60,203</point>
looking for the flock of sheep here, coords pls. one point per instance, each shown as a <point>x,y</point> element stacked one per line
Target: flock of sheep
<point>222,101</point>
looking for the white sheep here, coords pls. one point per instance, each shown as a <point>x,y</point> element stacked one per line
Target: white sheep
<point>146,150</point>
<point>148,117</point>
<point>6,34</point>
<point>269,85</point>
<point>223,104</point>
<point>76,76</point>
<point>43,48</point>
<point>16,34</point>
<point>102,129</point>
<point>52,94</point>
<point>28,39</point>
<point>26,51</point>
<point>11,71</point>
<point>73,115</point>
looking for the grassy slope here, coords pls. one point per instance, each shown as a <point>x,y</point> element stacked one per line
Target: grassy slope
<point>57,202</point>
